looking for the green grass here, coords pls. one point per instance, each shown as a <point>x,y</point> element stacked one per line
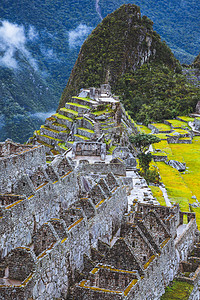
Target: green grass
<point>159,154</point>
<point>108,142</point>
<point>196,210</point>
<point>161,126</point>
<point>67,110</point>
<point>181,186</point>
<point>133,122</point>
<point>78,105</point>
<point>51,138</point>
<point>112,149</point>
<point>177,190</point>
<point>47,128</point>
<point>178,130</point>
<point>143,129</point>
<point>162,136</point>
<point>85,138</point>
<point>59,116</point>
<point>185,139</point>
<point>62,145</point>
<point>164,147</point>
<point>178,290</point>
<point>84,99</point>
<point>101,112</point>
<point>86,129</point>
<point>187,119</point>
<point>190,153</point>
<point>158,194</point>
<point>70,142</point>
<point>89,121</point>
<point>60,125</point>
<point>177,123</point>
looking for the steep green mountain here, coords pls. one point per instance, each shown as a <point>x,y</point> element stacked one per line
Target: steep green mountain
<point>177,22</point>
<point>197,62</point>
<point>50,34</point>
<point>39,43</point>
<point>125,52</point>
<point>23,93</point>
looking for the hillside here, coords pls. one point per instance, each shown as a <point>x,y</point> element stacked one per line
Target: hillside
<point>50,34</point>
<point>23,93</point>
<point>37,39</point>
<point>197,62</point>
<point>121,43</point>
<point>131,57</point>
<point>175,21</point>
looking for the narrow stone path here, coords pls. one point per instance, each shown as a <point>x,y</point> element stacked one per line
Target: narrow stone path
<point>140,190</point>
<point>167,201</point>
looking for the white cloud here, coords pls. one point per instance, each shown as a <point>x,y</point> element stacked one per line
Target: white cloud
<point>32,33</point>
<point>13,38</point>
<point>48,53</point>
<point>43,116</point>
<point>78,35</point>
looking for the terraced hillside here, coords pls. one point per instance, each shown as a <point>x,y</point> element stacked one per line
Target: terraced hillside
<point>179,145</point>
<point>86,117</point>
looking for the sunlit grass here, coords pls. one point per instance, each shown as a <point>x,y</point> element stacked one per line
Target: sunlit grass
<point>158,194</point>
<point>177,123</point>
<point>161,126</point>
<point>177,190</point>
<point>143,129</point>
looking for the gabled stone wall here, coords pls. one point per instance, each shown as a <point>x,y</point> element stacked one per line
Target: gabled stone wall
<point>13,167</point>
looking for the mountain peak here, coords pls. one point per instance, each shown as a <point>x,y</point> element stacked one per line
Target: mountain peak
<point>121,43</point>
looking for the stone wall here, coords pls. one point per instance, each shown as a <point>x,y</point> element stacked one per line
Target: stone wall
<point>197,124</point>
<point>185,241</point>
<point>103,168</point>
<point>156,130</point>
<point>12,167</point>
<point>159,273</point>
<point>20,219</point>
<point>48,275</point>
<point>108,217</point>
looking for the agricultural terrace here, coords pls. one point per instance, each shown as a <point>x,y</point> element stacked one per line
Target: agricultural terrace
<point>180,186</point>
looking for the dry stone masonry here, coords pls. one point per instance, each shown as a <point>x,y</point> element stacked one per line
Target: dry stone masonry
<point>81,224</point>
<point>66,231</point>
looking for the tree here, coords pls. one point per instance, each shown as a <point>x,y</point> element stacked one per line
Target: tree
<point>142,141</point>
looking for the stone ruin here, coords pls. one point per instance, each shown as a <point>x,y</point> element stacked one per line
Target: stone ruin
<point>66,232</point>
<point>125,154</point>
<point>198,108</point>
<point>89,149</point>
<point>93,116</point>
<point>8,148</point>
